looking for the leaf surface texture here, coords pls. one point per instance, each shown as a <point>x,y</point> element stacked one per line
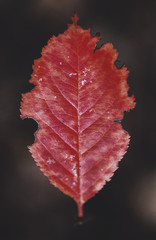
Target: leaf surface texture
<point>78,95</point>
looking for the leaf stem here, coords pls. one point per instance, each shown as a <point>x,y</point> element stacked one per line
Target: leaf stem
<point>80,210</point>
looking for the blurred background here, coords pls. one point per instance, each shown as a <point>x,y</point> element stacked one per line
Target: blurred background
<point>31,208</point>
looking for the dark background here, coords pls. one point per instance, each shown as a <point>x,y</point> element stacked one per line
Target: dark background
<point>31,208</point>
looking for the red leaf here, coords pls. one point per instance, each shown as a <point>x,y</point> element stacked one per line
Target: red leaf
<point>78,96</point>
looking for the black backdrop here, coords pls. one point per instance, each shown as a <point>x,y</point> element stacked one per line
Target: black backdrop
<point>30,207</point>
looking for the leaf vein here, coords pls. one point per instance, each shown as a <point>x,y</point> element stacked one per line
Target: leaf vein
<point>98,117</point>
<point>53,129</point>
<point>99,161</point>
<point>99,139</point>
<point>55,159</point>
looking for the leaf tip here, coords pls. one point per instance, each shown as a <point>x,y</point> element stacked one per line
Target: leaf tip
<point>75,18</point>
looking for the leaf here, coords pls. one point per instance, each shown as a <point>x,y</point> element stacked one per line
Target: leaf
<point>78,97</point>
